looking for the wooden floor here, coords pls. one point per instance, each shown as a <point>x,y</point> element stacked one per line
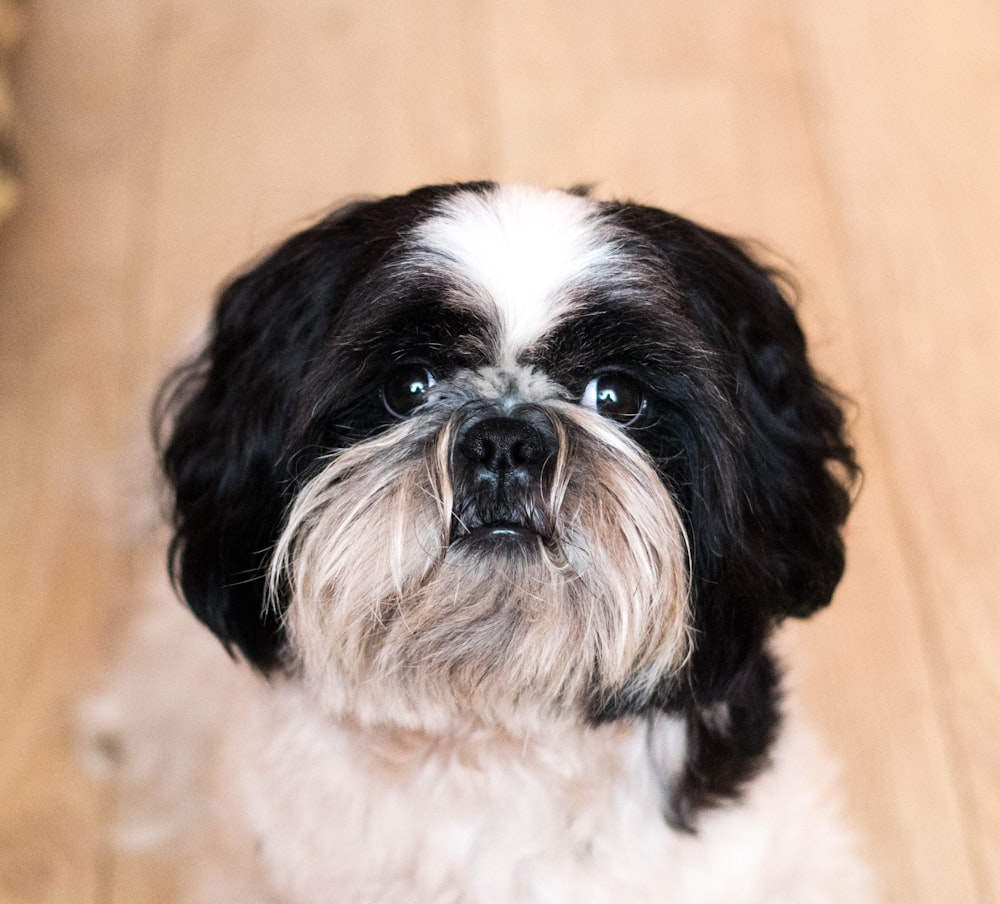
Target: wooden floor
<point>164,141</point>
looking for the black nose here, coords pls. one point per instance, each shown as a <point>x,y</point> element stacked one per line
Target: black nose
<point>504,445</point>
<point>498,477</point>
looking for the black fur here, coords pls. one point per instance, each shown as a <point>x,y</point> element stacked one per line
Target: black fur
<point>746,436</point>
<point>223,422</point>
<point>765,486</point>
<point>726,746</point>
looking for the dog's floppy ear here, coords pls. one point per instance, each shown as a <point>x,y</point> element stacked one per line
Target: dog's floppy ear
<point>763,515</point>
<point>777,550</point>
<point>222,421</point>
<point>796,465</point>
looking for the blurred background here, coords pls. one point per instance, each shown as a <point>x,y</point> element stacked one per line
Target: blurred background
<point>160,143</point>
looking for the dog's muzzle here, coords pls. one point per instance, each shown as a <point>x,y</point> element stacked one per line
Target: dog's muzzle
<point>500,468</point>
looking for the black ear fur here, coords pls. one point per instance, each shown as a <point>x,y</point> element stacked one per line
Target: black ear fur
<point>765,540</point>
<point>222,421</point>
<point>780,551</point>
<point>796,465</point>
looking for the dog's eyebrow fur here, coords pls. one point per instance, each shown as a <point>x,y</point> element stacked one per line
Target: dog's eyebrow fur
<point>520,252</point>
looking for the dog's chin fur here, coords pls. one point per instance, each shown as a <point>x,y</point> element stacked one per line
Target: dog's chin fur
<point>502,493</point>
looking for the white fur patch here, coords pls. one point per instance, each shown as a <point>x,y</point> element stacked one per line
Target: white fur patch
<point>255,795</point>
<point>520,248</point>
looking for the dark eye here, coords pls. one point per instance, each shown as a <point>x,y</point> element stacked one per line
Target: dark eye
<point>405,388</point>
<point>616,396</point>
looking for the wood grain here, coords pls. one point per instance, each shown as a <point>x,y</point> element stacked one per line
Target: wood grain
<point>165,141</point>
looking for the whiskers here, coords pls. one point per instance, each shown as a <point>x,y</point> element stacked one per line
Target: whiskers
<point>392,619</point>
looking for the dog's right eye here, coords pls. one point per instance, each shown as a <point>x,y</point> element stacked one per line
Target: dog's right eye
<point>616,396</point>
<point>405,388</point>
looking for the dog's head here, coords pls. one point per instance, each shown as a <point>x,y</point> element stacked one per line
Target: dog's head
<point>489,450</point>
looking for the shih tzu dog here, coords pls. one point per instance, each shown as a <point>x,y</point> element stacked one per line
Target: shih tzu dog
<point>502,492</point>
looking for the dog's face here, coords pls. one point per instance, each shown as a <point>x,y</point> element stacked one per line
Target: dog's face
<point>482,451</point>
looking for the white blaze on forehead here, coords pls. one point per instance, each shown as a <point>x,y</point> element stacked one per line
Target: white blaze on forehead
<point>519,249</point>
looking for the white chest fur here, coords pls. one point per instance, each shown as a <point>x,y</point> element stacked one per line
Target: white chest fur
<point>345,815</point>
<point>261,798</point>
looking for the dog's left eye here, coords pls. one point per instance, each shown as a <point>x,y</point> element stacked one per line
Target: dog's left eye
<point>406,387</point>
<point>617,396</point>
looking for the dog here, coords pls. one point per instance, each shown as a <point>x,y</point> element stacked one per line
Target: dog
<point>498,494</point>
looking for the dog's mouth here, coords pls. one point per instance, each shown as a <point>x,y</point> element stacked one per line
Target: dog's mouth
<point>502,530</point>
<point>499,534</point>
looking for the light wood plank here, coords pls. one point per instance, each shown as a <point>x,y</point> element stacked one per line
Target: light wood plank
<point>64,403</point>
<point>272,115</point>
<point>911,144</point>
